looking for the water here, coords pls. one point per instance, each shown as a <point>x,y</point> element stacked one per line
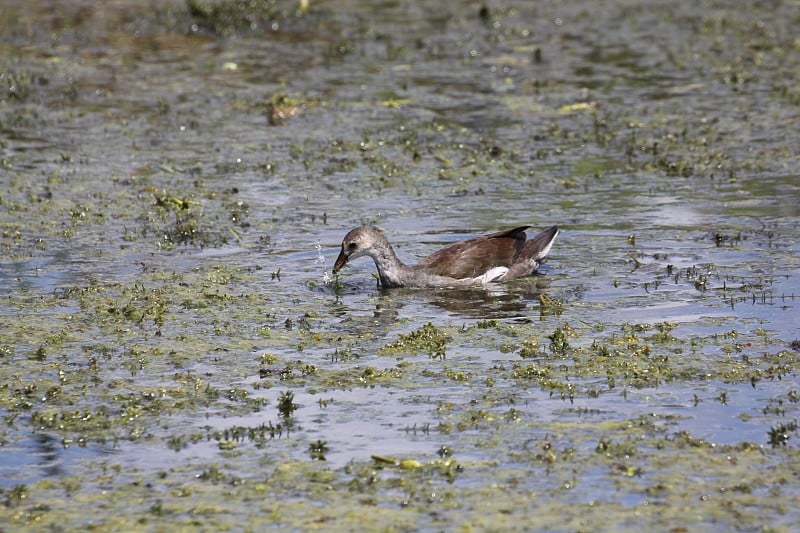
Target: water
<point>166,250</point>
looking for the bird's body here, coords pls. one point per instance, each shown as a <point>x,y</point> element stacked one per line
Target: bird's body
<point>500,256</point>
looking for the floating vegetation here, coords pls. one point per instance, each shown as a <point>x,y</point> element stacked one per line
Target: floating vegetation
<point>428,339</point>
<point>317,450</point>
<point>780,434</point>
<point>558,340</point>
<point>281,108</point>
<point>549,306</point>
<point>286,405</point>
<point>166,310</point>
<point>229,17</point>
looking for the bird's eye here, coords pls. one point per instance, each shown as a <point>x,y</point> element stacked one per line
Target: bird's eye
<point>352,246</point>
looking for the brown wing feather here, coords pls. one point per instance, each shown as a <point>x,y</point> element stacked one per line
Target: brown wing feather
<point>473,257</point>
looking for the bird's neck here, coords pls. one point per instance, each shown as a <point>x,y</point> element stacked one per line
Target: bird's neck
<point>390,269</point>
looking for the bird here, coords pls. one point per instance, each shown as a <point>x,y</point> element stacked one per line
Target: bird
<point>496,257</point>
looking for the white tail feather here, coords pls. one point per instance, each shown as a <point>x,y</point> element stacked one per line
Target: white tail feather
<point>493,274</point>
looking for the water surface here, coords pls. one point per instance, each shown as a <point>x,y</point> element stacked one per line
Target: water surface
<point>177,179</point>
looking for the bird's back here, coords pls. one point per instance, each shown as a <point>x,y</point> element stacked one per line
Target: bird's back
<point>473,257</point>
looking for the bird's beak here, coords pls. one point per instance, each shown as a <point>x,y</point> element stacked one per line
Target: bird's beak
<point>340,261</point>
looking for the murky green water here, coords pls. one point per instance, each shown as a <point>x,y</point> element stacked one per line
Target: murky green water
<point>177,178</point>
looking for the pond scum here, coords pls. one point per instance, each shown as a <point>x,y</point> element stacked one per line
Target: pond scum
<point>172,358</point>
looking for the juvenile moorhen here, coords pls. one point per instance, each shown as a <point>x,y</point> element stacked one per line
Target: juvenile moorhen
<point>500,256</point>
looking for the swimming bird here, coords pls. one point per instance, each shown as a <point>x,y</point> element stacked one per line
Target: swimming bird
<point>496,257</point>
